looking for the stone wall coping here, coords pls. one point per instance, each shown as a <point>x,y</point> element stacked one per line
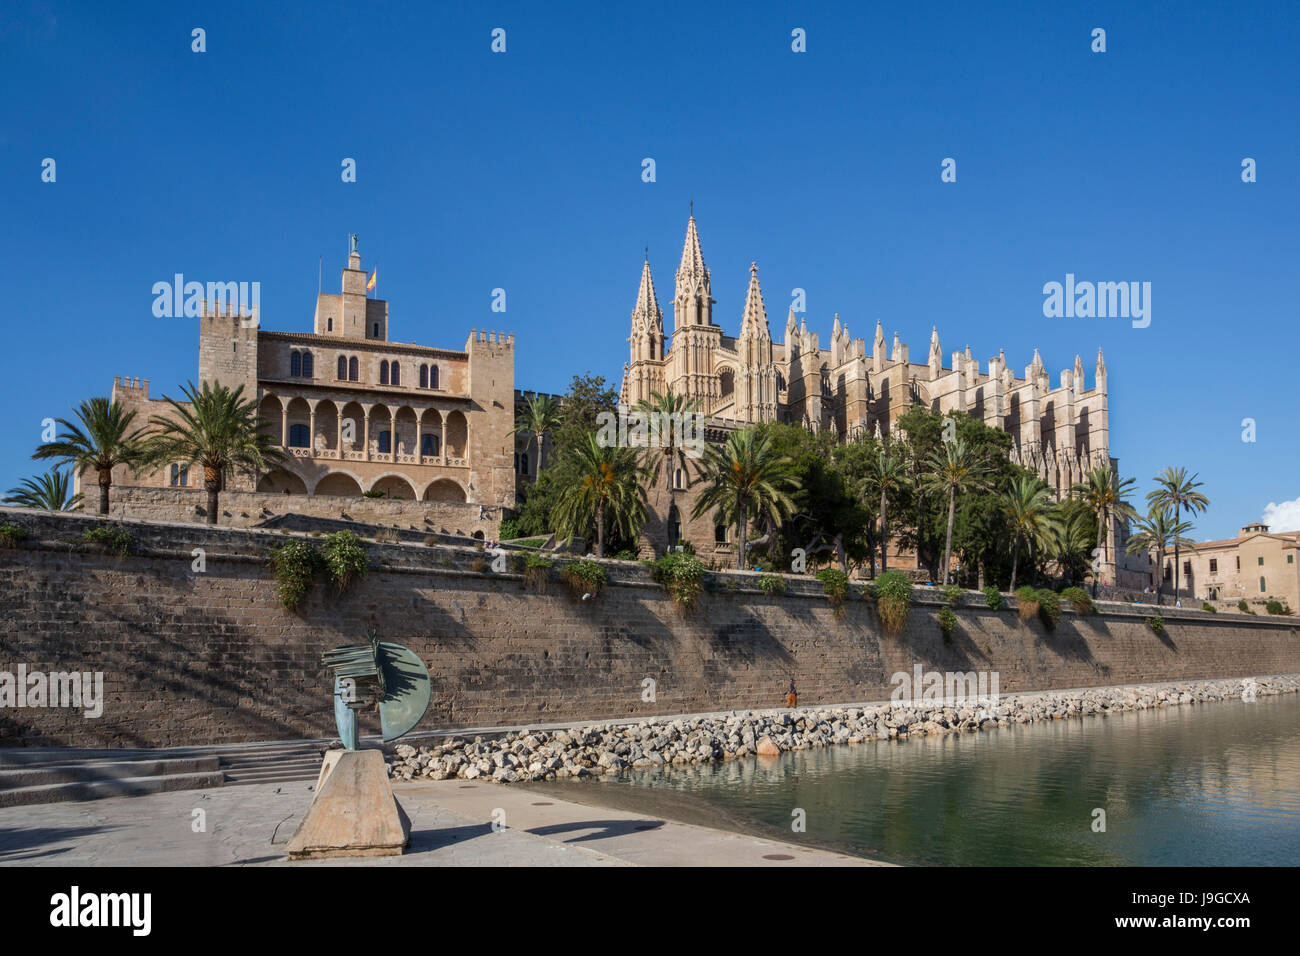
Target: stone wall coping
<point>49,531</point>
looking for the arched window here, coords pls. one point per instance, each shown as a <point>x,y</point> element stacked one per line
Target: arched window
<point>383,372</point>
<point>433,376</point>
<point>343,369</point>
<point>329,324</point>
<point>397,374</point>
<point>307,370</point>
<point>674,526</point>
<point>298,437</point>
<point>429,445</point>
<point>352,369</point>
<point>424,376</point>
<point>385,442</point>
<point>295,364</point>
<point>678,478</point>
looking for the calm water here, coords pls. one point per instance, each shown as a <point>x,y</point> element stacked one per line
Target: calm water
<point>1206,785</point>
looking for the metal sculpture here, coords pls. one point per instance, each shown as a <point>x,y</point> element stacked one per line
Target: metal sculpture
<point>380,675</point>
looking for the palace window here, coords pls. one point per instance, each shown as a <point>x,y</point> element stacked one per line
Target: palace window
<point>383,372</point>
<point>1260,560</point>
<point>720,534</point>
<point>429,445</point>
<point>433,376</point>
<point>295,364</point>
<point>308,371</point>
<point>385,442</point>
<point>343,369</point>
<point>397,374</point>
<point>352,369</point>
<point>329,324</point>
<point>1238,562</point>
<point>1262,589</point>
<point>375,329</point>
<point>180,476</point>
<point>299,437</point>
<point>1214,565</point>
<point>1187,569</point>
<point>424,376</point>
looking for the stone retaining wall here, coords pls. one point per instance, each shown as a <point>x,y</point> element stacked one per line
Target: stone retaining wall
<point>193,657</point>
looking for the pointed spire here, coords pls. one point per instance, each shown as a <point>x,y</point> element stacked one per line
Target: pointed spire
<point>790,323</point>
<point>936,354</point>
<point>1038,360</point>
<point>692,258</point>
<point>897,354</point>
<point>835,328</point>
<point>647,303</point>
<point>754,321</point>
<point>1101,363</point>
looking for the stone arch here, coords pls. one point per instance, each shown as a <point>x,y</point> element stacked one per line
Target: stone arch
<point>297,414</point>
<point>354,413</point>
<point>456,435</point>
<point>404,431</point>
<point>270,413</point>
<point>381,420</point>
<point>726,382</point>
<point>431,437</point>
<point>394,486</point>
<point>445,489</point>
<point>327,426</point>
<point>278,481</point>
<point>341,484</point>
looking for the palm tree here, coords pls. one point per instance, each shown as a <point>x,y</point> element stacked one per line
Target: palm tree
<point>1160,529</point>
<point>954,469</point>
<point>745,477</point>
<point>668,410</point>
<point>49,492</point>
<point>217,429</point>
<point>1175,490</point>
<point>540,414</point>
<point>1070,539</point>
<point>1105,495</point>
<point>609,486</point>
<point>1031,514</point>
<point>103,439</point>
<point>888,474</point>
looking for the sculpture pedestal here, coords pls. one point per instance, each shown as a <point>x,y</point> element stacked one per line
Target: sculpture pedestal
<point>354,812</point>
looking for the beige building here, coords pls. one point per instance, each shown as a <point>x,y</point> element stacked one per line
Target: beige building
<point>850,388</point>
<point>1257,565</point>
<point>356,410</point>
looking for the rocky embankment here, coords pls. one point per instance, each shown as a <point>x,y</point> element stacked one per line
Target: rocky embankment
<point>655,742</point>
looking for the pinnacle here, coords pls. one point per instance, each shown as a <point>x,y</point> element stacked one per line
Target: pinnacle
<point>692,257</point>
<point>647,303</point>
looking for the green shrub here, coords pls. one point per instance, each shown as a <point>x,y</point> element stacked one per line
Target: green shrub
<point>947,621</point>
<point>344,559</point>
<point>1027,603</point>
<point>537,572</point>
<point>626,554</point>
<point>893,600</point>
<point>509,529</point>
<point>295,564</point>
<point>681,575</point>
<point>1049,608</point>
<point>11,534</point>
<point>1156,623</point>
<point>1080,599</point>
<point>584,577</point>
<point>1277,607</point>
<point>771,584</point>
<point>1209,607</point>
<point>531,542</point>
<point>112,538</point>
<point>373,494</point>
<point>994,597</point>
<point>1243,606</point>
<point>952,594</point>
<point>836,585</point>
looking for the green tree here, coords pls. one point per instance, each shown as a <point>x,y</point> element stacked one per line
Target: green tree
<point>888,476</point>
<point>1071,539</point>
<point>51,491</point>
<point>540,414</point>
<point>1159,531</point>
<point>102,439</point>
<point>1030,513</point>
<point>1174,489</point>
<point>954,470</point>
<point>1106,496</point>
<point>745,478</point>
<point>607,488</point>
<point>216,429</point>
<point>671,412</point>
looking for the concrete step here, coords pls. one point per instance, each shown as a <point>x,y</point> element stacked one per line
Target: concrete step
<point>98,789</point>
<point>39,774</point>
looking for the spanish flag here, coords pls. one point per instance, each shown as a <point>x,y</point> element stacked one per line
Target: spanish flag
<point>370,283</point>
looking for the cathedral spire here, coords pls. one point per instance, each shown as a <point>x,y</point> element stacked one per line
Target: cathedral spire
<point>693,298</point>
<point>692,266</point>
<point>647,303</point>
<point>754,321</point>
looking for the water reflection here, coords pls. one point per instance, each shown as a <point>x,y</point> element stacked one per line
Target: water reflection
<point>1212,785</point>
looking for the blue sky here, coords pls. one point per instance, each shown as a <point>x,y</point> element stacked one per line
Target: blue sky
<point>522,171</point>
